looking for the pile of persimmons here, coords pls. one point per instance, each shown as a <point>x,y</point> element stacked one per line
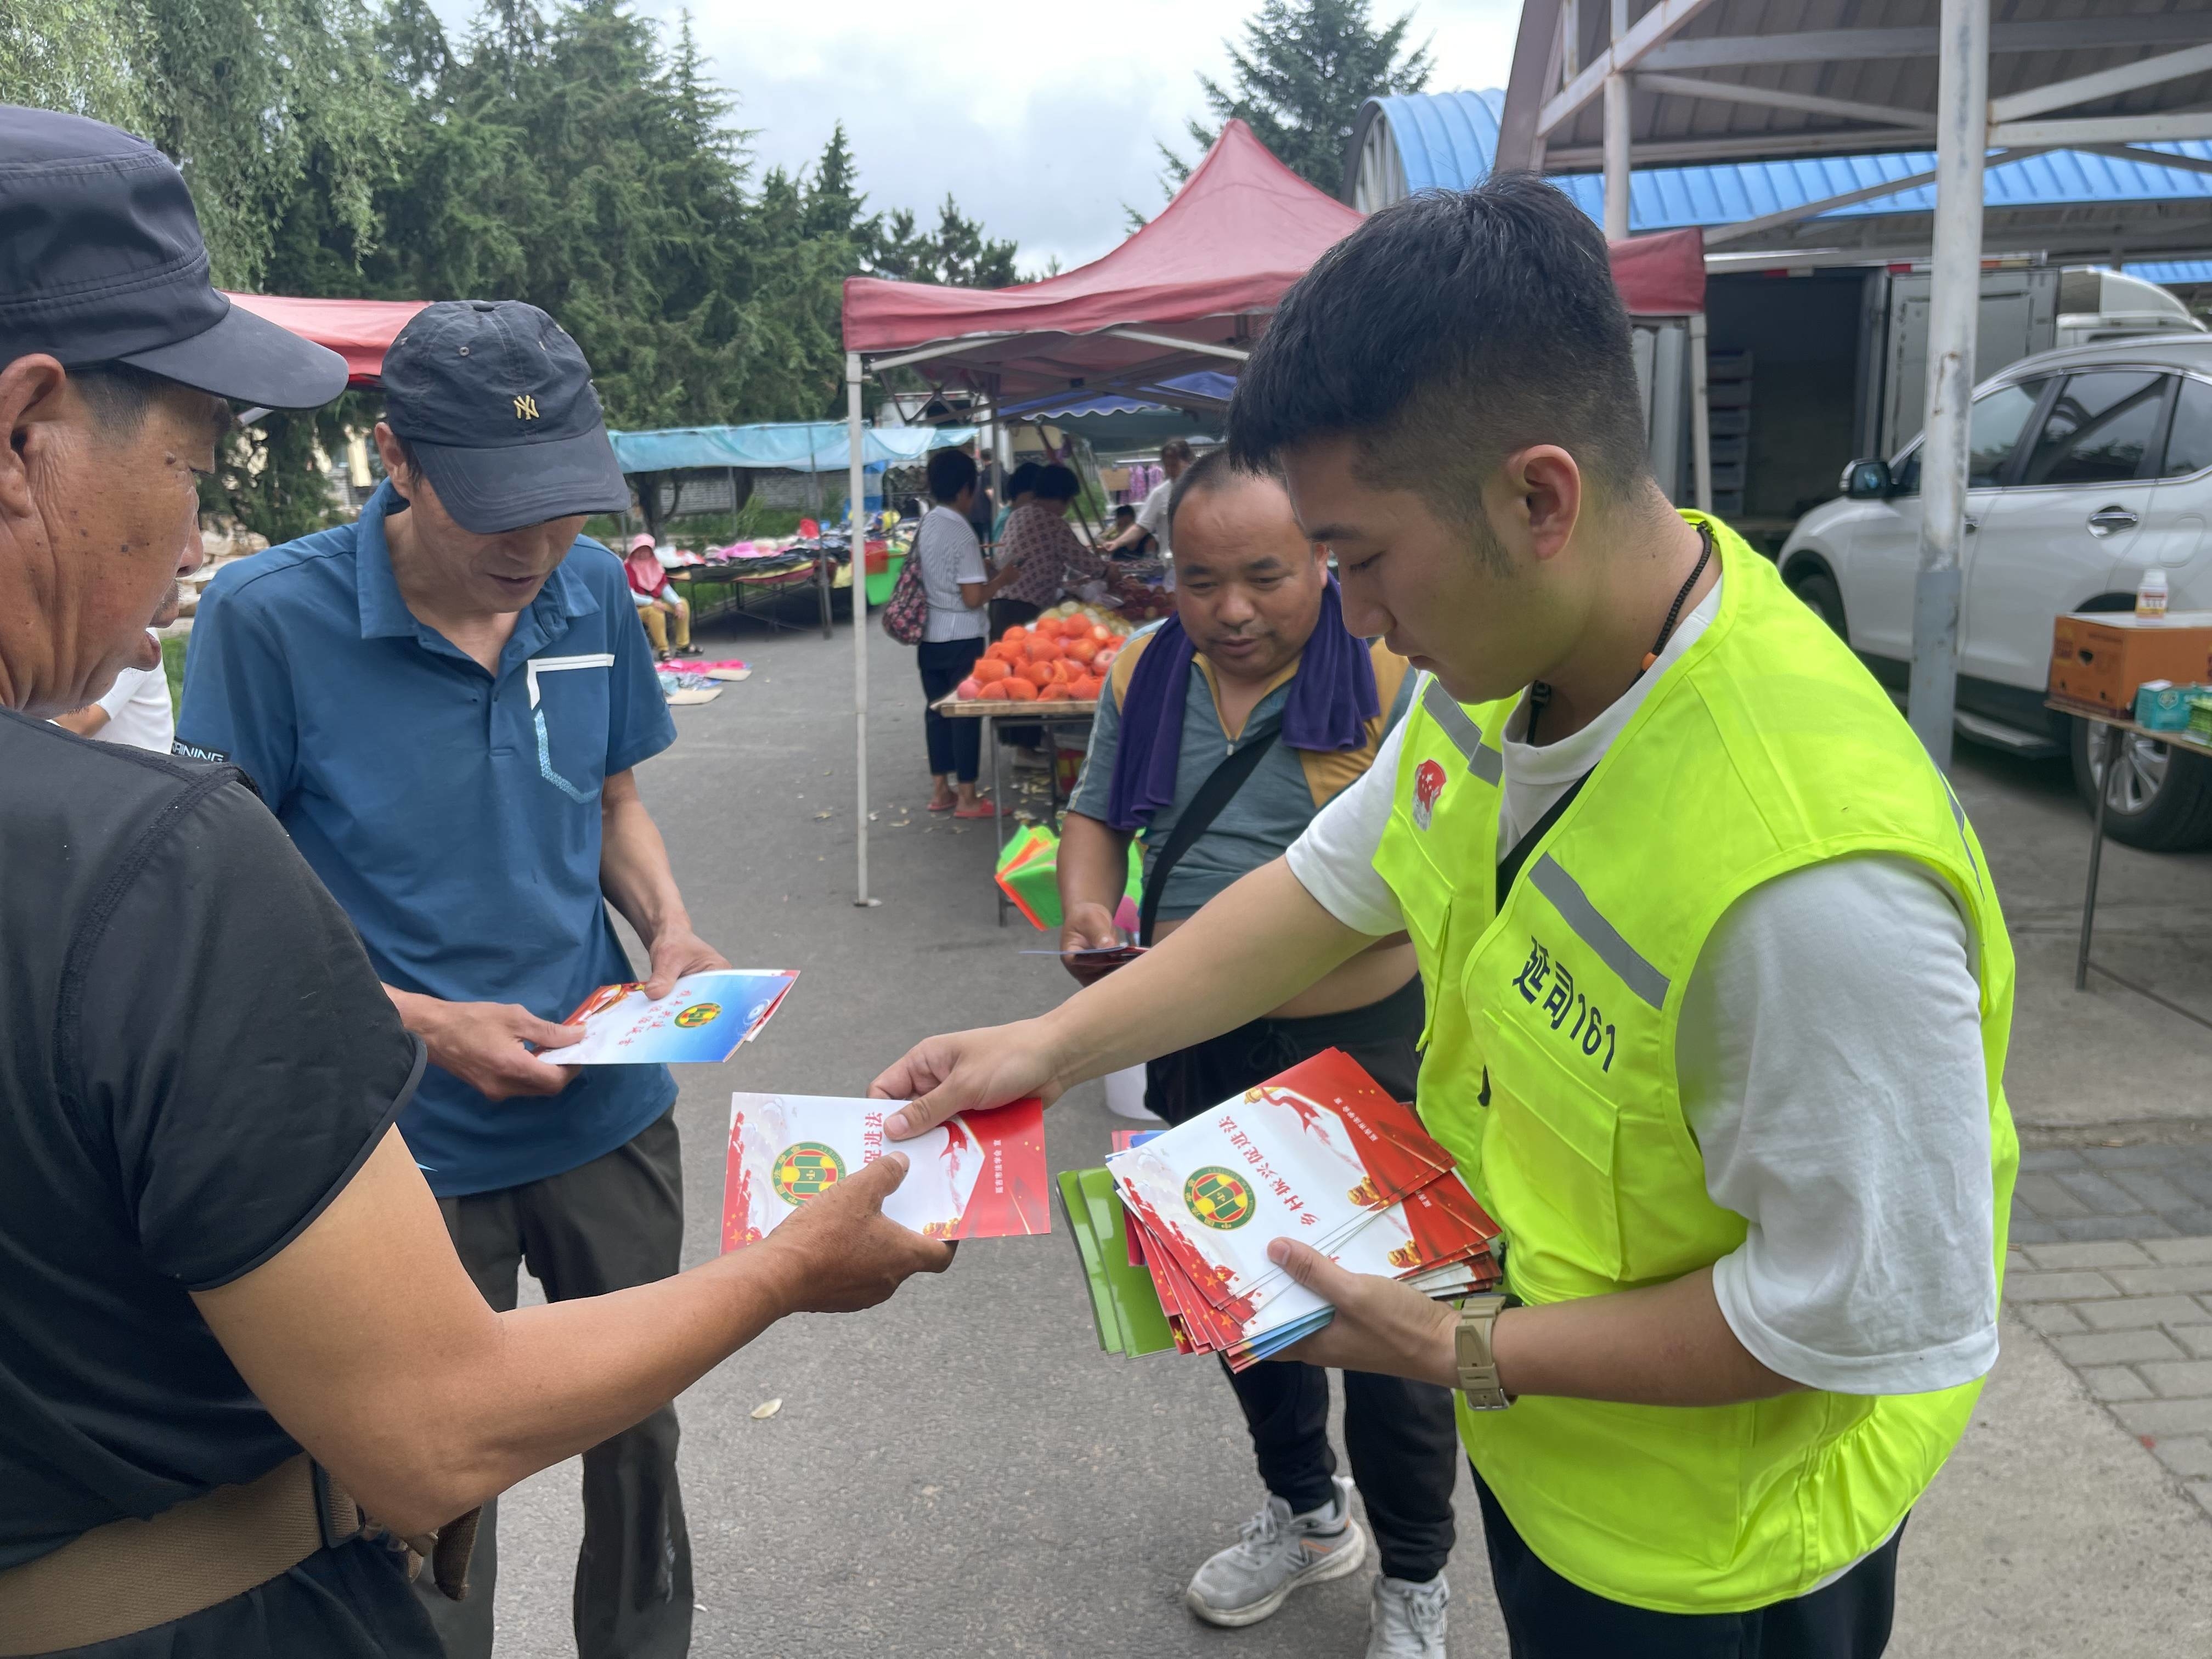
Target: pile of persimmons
<point>1056,659</point>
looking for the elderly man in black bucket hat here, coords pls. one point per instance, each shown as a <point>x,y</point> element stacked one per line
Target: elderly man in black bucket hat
<point>239,1359</point>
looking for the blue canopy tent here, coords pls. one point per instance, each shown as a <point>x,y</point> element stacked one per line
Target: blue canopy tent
<point>811,446</point>
<point>780,446</point>
<point>1182,406</point>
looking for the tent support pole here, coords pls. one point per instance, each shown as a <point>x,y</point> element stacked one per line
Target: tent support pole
<point>1962,131</point>
<point>856,510</point>
<point>822,586</point>
<point>1616,139</point>
<point>1701,419</point>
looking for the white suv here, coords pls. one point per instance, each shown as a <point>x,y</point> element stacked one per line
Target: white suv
<point>2088,466</point>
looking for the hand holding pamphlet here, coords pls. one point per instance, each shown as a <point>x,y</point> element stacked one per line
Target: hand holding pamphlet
<point>1318,1153</point>
<point>704,1016</point>
<point>975,1176</point>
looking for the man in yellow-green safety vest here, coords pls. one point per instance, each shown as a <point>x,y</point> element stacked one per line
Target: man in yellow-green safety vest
<point>1717,987</point>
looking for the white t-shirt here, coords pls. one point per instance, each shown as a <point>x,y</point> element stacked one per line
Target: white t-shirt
<point>945,544</point>
<point>1830,1062</point>
<point>1152,516</point>
<point>138,711</point>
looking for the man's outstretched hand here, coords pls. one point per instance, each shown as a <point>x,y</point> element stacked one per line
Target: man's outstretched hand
<point>966,1071</point>
<point>842,1253</point>
<point>1087,927</point>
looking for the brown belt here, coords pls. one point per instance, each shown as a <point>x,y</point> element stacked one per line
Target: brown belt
<point>132,1575</point>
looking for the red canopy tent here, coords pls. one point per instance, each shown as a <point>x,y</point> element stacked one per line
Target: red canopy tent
<point>360,330</point>
<point>1193,290</point>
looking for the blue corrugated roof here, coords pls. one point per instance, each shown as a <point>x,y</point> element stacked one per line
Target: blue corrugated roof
<point>1447,140</point>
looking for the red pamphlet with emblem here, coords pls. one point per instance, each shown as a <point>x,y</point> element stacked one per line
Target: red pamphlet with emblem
<point>977,1175</point>
<point>1320,1153</point>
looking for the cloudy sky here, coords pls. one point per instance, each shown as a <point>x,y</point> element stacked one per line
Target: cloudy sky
<point>1040,118</point>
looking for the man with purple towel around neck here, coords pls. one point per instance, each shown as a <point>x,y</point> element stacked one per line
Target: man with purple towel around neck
<point>1255,672</point>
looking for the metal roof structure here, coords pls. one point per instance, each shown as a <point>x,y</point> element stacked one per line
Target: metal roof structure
<point>1708,82</point>
<point>1825,77</point>
<point>2107,99</point>
<point>2063,203</point>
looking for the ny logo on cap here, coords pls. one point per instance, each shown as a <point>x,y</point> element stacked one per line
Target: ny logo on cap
<point>526,409</point>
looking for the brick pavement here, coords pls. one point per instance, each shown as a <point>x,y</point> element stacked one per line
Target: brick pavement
<point>2133,1318</point>
<point>2075,1193</point>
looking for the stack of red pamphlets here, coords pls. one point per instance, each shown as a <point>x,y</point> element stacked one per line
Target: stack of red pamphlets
<point>1319,1153</point>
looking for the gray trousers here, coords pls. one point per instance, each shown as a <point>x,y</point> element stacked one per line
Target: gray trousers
<point>605,1225</point>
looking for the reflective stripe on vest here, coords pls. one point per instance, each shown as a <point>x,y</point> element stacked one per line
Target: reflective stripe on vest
<point>1548,1071</point>
<point>1488,765</point>
<point>1593,930</point>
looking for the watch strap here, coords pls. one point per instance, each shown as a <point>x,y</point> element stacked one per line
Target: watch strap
<point>1477,1365</point>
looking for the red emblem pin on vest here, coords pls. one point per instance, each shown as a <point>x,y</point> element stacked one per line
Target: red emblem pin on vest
<point>1428,784</point>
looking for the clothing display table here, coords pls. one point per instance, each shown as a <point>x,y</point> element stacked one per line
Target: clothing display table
<point>728,588</point>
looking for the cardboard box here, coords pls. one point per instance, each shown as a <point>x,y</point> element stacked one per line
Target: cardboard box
<point>2101,657</point>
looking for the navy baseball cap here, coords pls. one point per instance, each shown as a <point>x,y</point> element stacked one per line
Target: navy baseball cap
<point>102,261</point>
<point>495,401</point>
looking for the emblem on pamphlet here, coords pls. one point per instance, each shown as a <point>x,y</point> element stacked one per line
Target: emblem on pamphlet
<point>979,1178</point>
<point>699,1013</point>
<point>1219,1198</point>
<point>1428,784</point>
<point>802,1170</point>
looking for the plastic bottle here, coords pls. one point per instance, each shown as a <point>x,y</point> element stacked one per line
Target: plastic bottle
<point>2151,594</point>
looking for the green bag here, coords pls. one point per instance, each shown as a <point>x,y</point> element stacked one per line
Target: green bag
<point>1029,875</point>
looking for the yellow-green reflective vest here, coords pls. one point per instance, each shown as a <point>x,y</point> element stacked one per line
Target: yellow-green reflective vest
<point>1548,1069</point>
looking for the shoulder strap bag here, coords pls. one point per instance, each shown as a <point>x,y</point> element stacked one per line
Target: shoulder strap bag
<point>1220,787</point>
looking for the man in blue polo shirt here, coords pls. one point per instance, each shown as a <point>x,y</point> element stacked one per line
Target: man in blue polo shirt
<point>443,703</point>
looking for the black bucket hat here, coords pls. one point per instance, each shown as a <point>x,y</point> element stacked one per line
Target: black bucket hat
<point>102,261</point>
<point>496,402</point>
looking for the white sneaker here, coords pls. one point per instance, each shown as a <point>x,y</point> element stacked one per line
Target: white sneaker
<point>1407,1621</point>
<point>1275,1554</point>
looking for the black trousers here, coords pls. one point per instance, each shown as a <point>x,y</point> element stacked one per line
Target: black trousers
<point>605,1225</point>
<point>955,747</point>
<point>1012,613</point>
<point>1403,1445</point>
<point>1548,1617</point>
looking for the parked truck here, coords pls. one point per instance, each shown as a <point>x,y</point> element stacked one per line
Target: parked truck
<point>1809,366</point>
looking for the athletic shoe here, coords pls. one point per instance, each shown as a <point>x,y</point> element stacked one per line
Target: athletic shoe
<point>1407,1621</point>
<point>1275,1552</point>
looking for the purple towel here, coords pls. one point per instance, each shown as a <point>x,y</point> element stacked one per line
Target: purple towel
<point>1332,698</point>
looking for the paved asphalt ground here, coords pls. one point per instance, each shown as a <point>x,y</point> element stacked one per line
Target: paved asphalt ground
<point>963,1473</point>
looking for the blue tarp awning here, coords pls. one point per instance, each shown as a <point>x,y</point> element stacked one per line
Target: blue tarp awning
<point>779,445</point>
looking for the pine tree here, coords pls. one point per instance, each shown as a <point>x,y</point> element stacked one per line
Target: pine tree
<point>833,196</point>
<point>1304,68</point>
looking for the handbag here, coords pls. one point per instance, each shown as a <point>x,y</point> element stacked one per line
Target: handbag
<point>906,613</point>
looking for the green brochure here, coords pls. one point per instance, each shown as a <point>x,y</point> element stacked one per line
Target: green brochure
<point>1143,1325</point>
<point>1075,1201</point>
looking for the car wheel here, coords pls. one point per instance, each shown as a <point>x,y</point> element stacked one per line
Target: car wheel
<point>1819,591</point>
<point>2162,800</point>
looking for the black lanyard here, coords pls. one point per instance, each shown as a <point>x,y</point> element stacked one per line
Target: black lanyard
<point>1541,694</point>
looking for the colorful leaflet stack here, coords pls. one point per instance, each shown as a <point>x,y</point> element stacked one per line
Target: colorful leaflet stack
<point>1174,1230</point>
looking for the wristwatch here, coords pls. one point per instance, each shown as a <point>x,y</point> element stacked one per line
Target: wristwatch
<point>1477,1366</point>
